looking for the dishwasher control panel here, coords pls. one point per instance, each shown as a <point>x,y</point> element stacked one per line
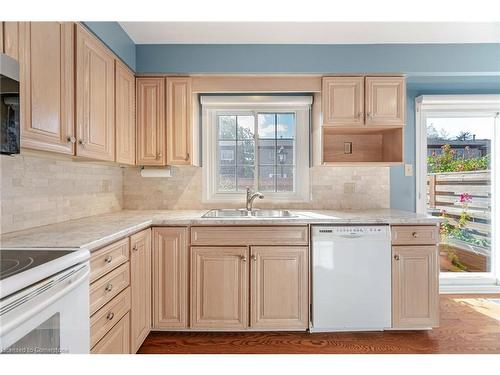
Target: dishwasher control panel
<point>352,230</point>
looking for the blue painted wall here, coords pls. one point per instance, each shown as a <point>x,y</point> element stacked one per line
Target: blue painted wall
<point>112,34</point>
<point>413,59</point>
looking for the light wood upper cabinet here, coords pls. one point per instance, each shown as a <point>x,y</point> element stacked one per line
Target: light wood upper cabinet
<point>95,98</point>
<point>124,114</point>
<point>1,37</point>
<point>11,39</point>
<point>47,86</point>
<point>151,121</point>
<point>179,120</point>
<point>279,287</point>
<point>140,285</point>
<point>385,101</point>
<point>415,283</point>
<point>219,288</point>
<point>170,277</point>
<point>343,101</point>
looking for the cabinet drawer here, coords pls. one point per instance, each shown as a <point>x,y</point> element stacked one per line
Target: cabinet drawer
<point>234,235</point>
<point>102,321</point>
<point>108,258</point>
<point>415,235</point>
<point>108,286</point>
<point>117,340</point>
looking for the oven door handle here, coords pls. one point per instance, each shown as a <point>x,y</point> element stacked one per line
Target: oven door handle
<point>52,289</point>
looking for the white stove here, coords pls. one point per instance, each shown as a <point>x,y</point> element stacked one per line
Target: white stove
<point>44,300</point>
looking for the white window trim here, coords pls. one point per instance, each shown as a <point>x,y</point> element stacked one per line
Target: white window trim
<point>212,106</point>
<point>460,106</point>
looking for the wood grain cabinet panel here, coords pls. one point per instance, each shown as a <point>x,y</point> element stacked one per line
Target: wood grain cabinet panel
<point>108,258</point>
<point>117,340</point>
<point>108,286</point>
<point>170,277</point>
<point>47,86</point>
<point>1,37</point>
<point>151,142</point>
<point>95,98</point>
<point>279,288</point>
<point>11,39</point>
<point>124,114</point>
<point>343,101</point>
<point>385,101</point>
<point>415,283</point>
<point>414,234</point>
<point>179,121</point>
<point>140,285</point>
<point>219,288</point>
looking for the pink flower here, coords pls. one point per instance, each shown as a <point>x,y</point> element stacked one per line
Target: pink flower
<point>465,197</point>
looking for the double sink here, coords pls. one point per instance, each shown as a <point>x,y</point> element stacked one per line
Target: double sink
<point>243,213</point>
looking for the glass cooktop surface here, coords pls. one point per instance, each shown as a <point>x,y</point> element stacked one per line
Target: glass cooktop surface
<point>16,261</point>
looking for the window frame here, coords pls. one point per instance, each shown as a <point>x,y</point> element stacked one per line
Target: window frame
<point>214,106</point>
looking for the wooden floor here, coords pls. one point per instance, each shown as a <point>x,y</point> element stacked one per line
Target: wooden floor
<point>468,325</point>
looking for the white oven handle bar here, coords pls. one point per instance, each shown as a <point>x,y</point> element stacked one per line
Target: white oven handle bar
<point>52,289</point>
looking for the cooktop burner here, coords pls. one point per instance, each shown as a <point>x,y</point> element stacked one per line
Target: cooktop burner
<point>16,261</point>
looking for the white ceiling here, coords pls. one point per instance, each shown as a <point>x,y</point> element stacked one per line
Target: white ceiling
<point>311,32</point>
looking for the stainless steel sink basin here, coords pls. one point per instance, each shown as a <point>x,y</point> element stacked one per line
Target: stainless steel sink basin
<point>242,213</point>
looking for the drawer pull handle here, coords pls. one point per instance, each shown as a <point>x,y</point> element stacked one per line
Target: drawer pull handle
<point>396,257</point>
<point>414,234</point>
<point>109,288</point>
<point>110,316</point>
<point>108,259</point>
<point>243,258</point>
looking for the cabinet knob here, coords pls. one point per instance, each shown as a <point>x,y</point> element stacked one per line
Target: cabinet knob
<point>135,248</point>
<point>108,259</point>
<point>254,258</point>
<point>110,316</point>
<point>414,234</point>
<point>396,257</point>
<point>109,288</point>
<point>71,139</point>
<point>81,142</point>
<point>243,258</point>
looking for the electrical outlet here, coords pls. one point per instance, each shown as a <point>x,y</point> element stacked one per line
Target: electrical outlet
<point>349,187</point>
<point>408,170</point>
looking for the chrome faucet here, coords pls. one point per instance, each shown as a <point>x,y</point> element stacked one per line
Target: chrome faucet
<point>251,197</point>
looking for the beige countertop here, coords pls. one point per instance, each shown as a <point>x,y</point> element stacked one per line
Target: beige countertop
<point>96,231</point>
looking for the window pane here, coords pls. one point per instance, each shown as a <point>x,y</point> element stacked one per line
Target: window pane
<point>286,125</point>
<point>246,127</point>
<point>284,179</point>
<point>266,123</point>
<point>245,177</point>
<point>227,152</point>
<point>267,151</point>
<point>227,127</point>
<point>227,178</point>
<point>285,152</point>
<point>266,178</point>
<point>246,152</point>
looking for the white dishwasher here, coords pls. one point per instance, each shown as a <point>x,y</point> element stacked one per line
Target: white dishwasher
<point>351,278</point>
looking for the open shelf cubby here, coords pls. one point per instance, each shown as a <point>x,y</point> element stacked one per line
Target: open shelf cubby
<point>375,145</point>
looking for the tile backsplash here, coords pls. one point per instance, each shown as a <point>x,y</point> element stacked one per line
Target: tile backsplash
<point>39,190</point>
<point>331,187</point>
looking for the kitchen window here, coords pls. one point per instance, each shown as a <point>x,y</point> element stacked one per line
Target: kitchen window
<point>260,142</point>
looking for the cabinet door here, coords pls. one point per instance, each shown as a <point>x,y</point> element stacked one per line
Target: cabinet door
<point>140,285</point>
<point>125,114</point>
<point>95,98</point>
<point>279,287</point>
<point>170,277</point>
<point>385,101</point>
<point>47,68</point>
<point>343,101</point>
<point>151,121</point>
<point>11,39</point>
<point>219,288</point>
<point>1,37</point>
<point>117,340</point>
<point>415,294</point>
<point>178,121</point>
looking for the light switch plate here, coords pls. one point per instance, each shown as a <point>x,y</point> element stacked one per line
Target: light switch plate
<point>408,170</point>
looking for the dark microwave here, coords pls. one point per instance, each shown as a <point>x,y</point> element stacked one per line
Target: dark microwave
<point>9,106</point>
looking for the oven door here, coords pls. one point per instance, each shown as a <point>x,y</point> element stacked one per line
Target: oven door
<point>49,317</point>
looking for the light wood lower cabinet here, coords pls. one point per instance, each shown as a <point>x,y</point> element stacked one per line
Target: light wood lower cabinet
<point>170,277</point>
<point>219,288</point>
<point>117,340</point>
<point>415,283</point>
<point>140,285</point>
<point>279,287</point>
